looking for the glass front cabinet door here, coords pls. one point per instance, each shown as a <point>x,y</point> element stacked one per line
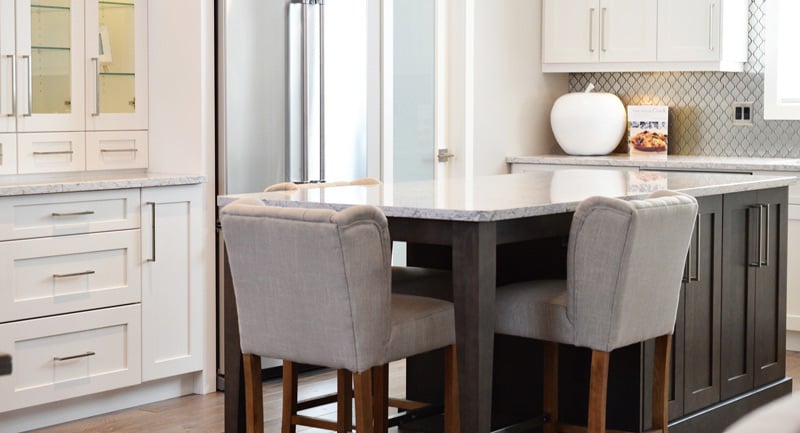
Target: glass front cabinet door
<point>116,65</point>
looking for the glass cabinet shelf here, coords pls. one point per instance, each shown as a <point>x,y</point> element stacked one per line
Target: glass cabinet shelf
<point>50,48</point>
<point>116,3</point>
<point>60,8</point>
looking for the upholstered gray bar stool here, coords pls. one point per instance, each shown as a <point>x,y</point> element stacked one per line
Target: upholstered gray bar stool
<point>624,265</point>
<point>313,286</point>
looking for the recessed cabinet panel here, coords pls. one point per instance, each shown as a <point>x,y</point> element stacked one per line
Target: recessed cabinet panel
<point>570,31</point>
<point>8,153</point>
<point>48,276</point>
<point>688,30</point>
<point>51,152</point>
<point>627,32</point>
<point>34,216</point>
<point>71,355</point>
<point>116,150</point>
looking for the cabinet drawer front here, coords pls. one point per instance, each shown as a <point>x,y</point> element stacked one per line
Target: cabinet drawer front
<point>68,213</point>
<point>43,277</point>
<point>51,152</point>
<point>116,150</point>
<point>8,154</point>
<point>67,356</point>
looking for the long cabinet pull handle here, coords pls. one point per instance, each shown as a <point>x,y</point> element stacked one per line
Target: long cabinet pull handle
<point>30,87</point>
<point>118,150</point>
<point>687,262</point>
<point>152,232</point>
<point>67,358</point>
<point>765,262</point>
<point>96,111</point>
<point>603,28</point>
<point>54,152</point>
<point>698,249</point>
<point>70,214</point>
<point>74,274</point>
<point>591,29</point>
<point>711,26</point>
<point>13,85</point>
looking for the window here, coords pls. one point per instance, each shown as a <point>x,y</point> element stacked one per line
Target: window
<point>782,74</point>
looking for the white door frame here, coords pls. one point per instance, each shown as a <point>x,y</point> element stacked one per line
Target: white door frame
<point>453,87</point>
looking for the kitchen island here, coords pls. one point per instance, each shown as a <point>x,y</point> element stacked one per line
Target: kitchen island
<point>483,223</point>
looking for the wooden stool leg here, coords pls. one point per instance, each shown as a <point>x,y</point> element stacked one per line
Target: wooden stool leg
<point>344,401</point>
<point>452,420</point>
<point>598,390</point>
<point>380,398</point>
<point>254,406</point>
<point>289,397</point>
<point>661,383</point>
<point>550,405</point>
<point>363,396</point>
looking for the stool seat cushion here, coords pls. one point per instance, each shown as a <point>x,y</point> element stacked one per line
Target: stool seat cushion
<point>419,325</point>
<point>534,309</point>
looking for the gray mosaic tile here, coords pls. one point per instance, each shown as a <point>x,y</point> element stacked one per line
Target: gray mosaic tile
<point>700,104</point>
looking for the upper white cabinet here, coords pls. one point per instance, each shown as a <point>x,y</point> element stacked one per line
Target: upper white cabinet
<point>76,66</point>
<point>644,35</point>
<point>591,31</point>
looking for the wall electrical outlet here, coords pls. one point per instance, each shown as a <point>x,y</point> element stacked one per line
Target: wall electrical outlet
<point>742,114</point>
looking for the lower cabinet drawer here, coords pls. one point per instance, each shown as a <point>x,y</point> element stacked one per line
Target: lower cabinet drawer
<point>49,276</point>
<point>51,152</point>
<point>72,355</point>
<point>115,150</point>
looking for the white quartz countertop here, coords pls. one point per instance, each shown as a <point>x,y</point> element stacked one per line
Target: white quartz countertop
<point>713,163</point>
<point>88,181</point>
<point>509,196</point>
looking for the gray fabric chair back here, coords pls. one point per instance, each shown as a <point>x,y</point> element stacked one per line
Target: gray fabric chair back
<point>312,286</point>
<point>625,264</point>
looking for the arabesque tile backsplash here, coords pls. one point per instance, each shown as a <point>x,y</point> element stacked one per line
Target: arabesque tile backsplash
<point>700,104</point>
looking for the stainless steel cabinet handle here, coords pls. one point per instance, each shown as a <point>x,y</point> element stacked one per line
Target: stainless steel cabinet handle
<point>757,262</point>
<point>70,214</point>
<point>765,220</point>
<point>591,30</point>
<point>67,358</point>
<point>603,29</point>
<point>711,26</point>
<point>74,274</point>
<point>30,87</point>
<point>118,150</point>
<point>13,85</point>
<point>55,152</point>
<point>96,61</point>
<point>153,232</point>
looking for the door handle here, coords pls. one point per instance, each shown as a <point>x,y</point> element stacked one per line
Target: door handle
<point>765,224</point>
<point>757,262</point>
<point>698,248</point>
<point>591,29</point>
<point>603,13</point>
<point>96,111</point>
<point>13,85</point>
<point>152,258</point>
<point>30,86</point>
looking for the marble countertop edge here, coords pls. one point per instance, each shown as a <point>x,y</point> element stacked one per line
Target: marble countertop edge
<point>689,162</point>
<point>46,184</point>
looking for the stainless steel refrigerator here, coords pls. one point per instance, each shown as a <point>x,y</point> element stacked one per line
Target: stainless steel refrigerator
<point>292,97</point>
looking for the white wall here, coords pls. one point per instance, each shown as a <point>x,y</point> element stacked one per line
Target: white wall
<point>512,96</point>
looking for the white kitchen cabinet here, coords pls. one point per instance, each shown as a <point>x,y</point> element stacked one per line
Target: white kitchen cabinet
<point>8,153</point>
<point>71,66</point>
<point>702,31</point>
<point>109,150</point>
<point>60,357</point>
<point>649,35</point>
<point>590,31</point>
<point>48,152</point>
<point>172,266</point>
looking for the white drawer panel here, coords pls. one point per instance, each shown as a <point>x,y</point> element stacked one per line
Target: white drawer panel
<point>51,152</point>
<point>104,343</point>
<point>68,213</point>
<point>116,150</point>
<point>43,277</point>
<point>8,153</point>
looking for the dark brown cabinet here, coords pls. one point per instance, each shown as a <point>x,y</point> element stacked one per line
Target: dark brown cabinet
<point>753,290</point>
<point>696,343</point>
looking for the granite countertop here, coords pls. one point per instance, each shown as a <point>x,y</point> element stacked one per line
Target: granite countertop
<point>502,197</point>
<point>717,163</point>
<point>91,181</point>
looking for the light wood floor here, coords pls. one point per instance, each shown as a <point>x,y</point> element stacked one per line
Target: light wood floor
<point>204,413</point>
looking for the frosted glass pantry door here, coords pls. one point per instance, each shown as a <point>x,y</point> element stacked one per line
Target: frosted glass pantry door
<point>49,63</point>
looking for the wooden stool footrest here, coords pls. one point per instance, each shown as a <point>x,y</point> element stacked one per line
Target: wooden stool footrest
<point>317,401</point>
<point>314,422</point>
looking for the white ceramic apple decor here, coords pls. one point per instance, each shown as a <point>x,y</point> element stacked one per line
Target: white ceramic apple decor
<point>588,123</point>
